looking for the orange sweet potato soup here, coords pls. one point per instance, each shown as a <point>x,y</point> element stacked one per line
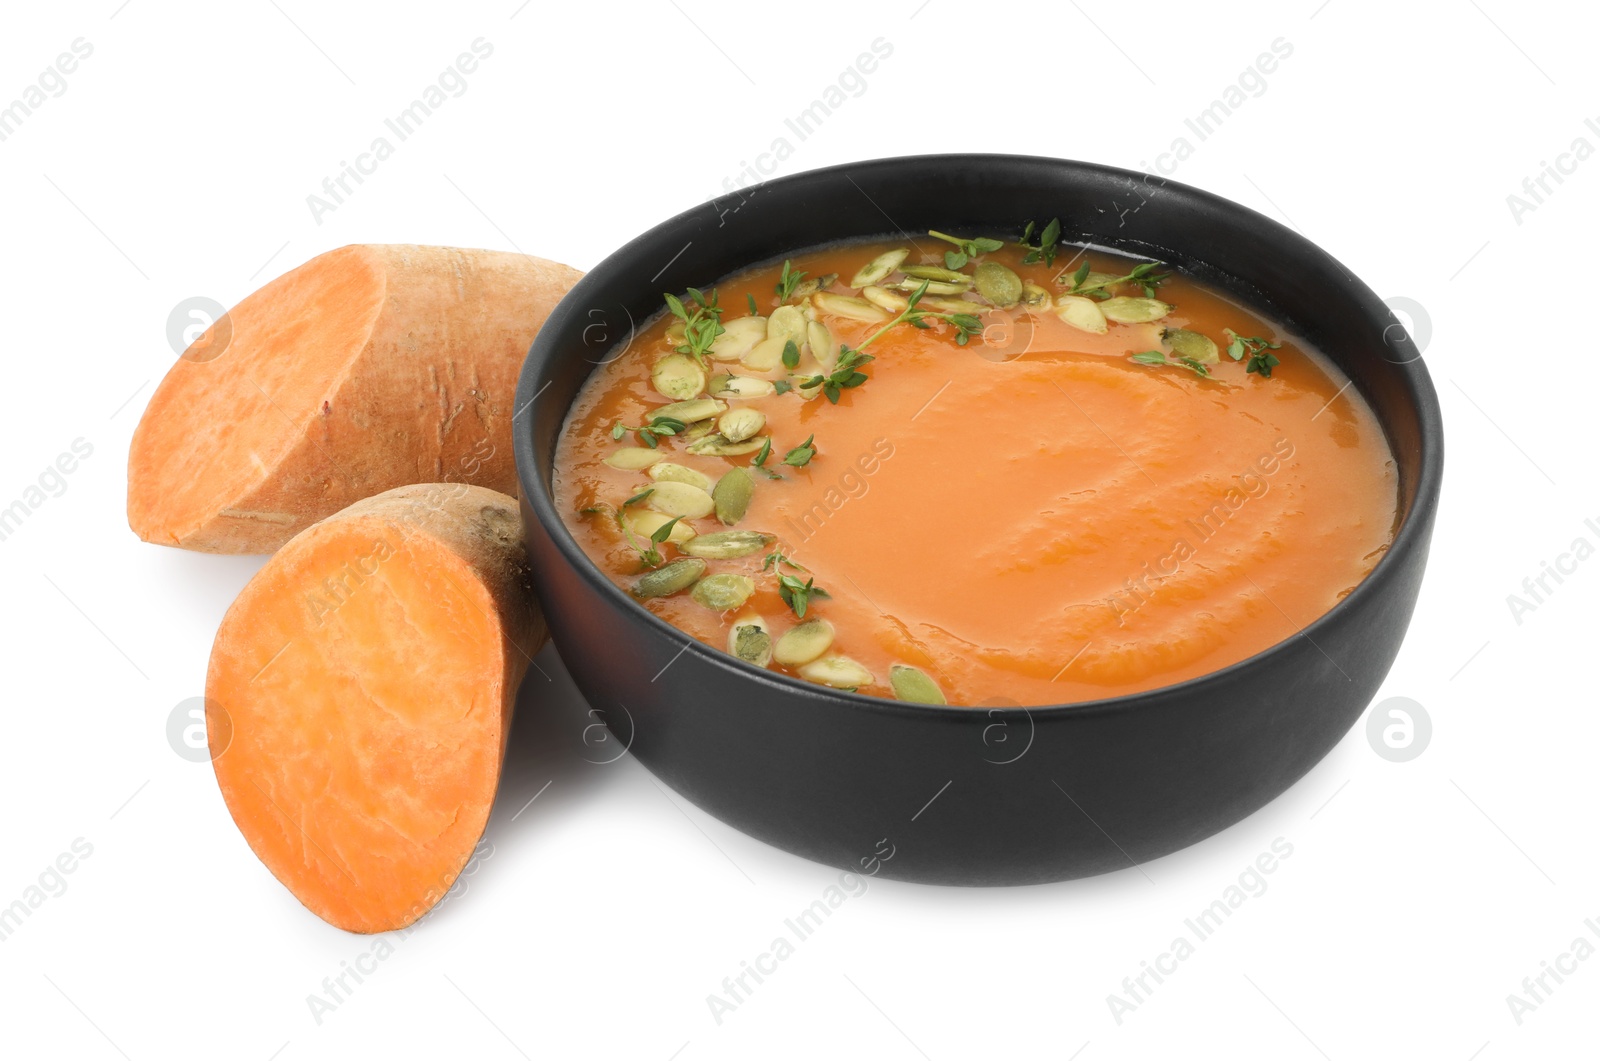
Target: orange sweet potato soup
<point>962,470</point>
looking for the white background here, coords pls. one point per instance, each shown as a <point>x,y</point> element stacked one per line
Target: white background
<point>177,163</point>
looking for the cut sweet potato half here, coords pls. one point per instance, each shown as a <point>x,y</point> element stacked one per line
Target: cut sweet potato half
<point>366,368</point>
<point>360,693</point>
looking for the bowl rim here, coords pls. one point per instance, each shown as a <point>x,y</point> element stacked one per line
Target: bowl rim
<point>1410,534</point>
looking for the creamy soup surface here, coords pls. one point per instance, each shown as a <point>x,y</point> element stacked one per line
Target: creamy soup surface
<point>1112,485</point>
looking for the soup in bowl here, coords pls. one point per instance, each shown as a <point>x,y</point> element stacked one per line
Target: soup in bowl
<point>874,517</point>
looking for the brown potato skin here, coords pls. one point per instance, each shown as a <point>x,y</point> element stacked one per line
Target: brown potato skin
<point>426,396</point>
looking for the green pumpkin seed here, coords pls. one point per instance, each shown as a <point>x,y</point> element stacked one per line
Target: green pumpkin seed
<point>645,524</point>
<point>1082,313</point>
<point>849,307</point>
<point>717,446</point>
<point>723,593</point>
<point>840,672</point>
<point>824,349</point>
<point>666,471</point>
<point>997,283</point>
<point>1097,279</point>
<point>727,545</point>
<point>804,643</point>
<point>1035,296</point>
<point>937,272</point>
<point>882,296</point>
<point>633,458</point>
<point>732,495</point>
<point>690,411</point>
<point>673,578</point>
<point>748,640</point>
<point>678,377</point>
<point>737,337</point>
<point>879,267</point>
<point>806,288</point>
<point>951,305</point>
<point>914,686</point>
<point>739,424</point>
<point>1125,310</point>
<point>730,386</point>
<point>1192,345</point>
<point>934,287</point>
<point>680,499</point>
<point>787,325</point>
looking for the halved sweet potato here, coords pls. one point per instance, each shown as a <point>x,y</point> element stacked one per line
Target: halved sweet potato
<point>366,368</point>
<point>360,693</point>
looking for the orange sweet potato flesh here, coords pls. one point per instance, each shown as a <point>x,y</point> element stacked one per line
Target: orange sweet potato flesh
<point>360,693</point>
<point>366,368</point>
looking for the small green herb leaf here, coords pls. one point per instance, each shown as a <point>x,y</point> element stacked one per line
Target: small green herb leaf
<point>1261,360</point>
<point>801,455</point>
<point>791,355</point>
<point>797,595</point>
<point>762,456</point>
<point>1048,246</point>
<point>789,280</point>
<point>662,532</point>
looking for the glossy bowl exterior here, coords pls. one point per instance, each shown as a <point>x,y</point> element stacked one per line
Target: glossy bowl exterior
<point>968,795</point>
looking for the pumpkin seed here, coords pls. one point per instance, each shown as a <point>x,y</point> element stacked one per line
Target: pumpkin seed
<point>1082,313</point>
<point>680,499</point>
<point>847,306</point>
<point>997,283</point>
<point>935,287</point>
<point>787,325</point>
<point>677,333</point>
<point>700,430</point>
<point>749,640</point>
<point>1192,345</point>
<point>765,355</point>
<point>878,268</point>
<point>1097,279</point>
<point>739,424</point>
<point>951,305</point>
<point>840,672</point>
<point>633,458</point>
<point>937,272</point>
<point>882,296</point>
<point>737,337</point>
<point>806,288</point>
<point>914,686</point>
<point>730,386</point>
<point>644,524</point>
<point>717,446</point>
<point>674,577</point>
<point>678,377</point>
<point>804,643</point>
<point>823,346</point>
<point>732,495</point>
<point>723,593</point>
<point>727,545</point>
<point>666,471</point>
<point>1035,296</point>
<point>1125,310</point>
<point>690,411</point>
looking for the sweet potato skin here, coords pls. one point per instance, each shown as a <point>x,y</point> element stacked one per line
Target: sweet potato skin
<point>360,693</point>
<point>367,368</point>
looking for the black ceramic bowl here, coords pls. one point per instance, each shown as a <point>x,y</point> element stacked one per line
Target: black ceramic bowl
<point>1017,795</point>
